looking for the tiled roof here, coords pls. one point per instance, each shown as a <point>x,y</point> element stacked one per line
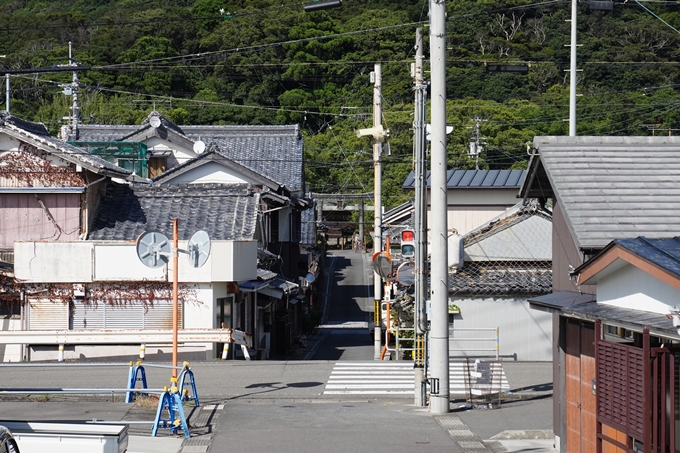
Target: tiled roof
<point>36,134</point>
<point>665,253</point>
<point>272,151</point>
<point>523,232</point>
<point>492,279</point>
<point>215,154</point>
<point>609,187</point>
<point>476,179</point>
<point>225,212</point>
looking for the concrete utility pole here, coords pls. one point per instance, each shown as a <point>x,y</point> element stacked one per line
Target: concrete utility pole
<point>572,81</point>
<point>477,144</point>
<point>377,192</point>
<point>419,148</point>
<point>439,324</point>
<point>75,109</point>
<point>7,96</point>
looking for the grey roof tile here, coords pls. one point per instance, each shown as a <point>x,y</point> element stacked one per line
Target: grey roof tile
<point>275,152</point>
<point>36,134</point>
<point>225,212</point>
<point>611,187</point>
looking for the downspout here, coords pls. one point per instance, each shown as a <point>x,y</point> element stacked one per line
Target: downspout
<point>86,230</point>
<point>22,322</point>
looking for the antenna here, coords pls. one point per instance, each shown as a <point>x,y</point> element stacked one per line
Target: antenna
<point>155,122</point>
<point>199,146</point>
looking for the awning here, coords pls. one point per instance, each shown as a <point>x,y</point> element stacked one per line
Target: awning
<point>279,287</point>
<point>296,299</point>
<point>252,286</point>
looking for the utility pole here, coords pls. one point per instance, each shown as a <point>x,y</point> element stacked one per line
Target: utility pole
<point>377,191</point>
<point>419,148</point>
<point>476,145</point>
<point>439,291</point>
<point>74,86</point>
<point>7,95</point>
<point>572,81</point>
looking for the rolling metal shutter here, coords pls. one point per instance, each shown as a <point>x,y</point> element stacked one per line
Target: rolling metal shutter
<point>101,315</point>
<point>48,315</point>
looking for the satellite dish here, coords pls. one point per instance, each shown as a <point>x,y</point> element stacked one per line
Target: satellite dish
<point>199,147</point>
<point>406,273</point>
<point>155,121</point>
<point>310,278</point>
<point>153,249</point>
<point>198,248</point>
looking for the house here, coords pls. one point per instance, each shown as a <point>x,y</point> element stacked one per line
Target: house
<point>602,189</point>
<point>475,196</point>
<point>49,191</point>
<point>101,284</point>
<point>256,153</point>
<point>506,262</point>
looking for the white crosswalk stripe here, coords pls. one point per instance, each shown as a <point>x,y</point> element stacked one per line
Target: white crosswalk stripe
<point>397,378</point>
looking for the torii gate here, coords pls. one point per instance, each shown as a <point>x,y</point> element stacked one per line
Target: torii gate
<point>356,204</point>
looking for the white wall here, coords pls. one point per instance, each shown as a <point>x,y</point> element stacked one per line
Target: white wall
<point>87,261</point>
<point>211,172</point>
<point>634,288</point>
<point>10,352</point>
<point>525,334</point>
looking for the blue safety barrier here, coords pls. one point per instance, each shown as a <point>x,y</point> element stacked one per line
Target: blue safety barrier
<point>185,375</point>
<point>171,400</point>
<point>136,374</point>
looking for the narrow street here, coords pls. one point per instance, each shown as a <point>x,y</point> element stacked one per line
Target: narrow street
<point>348,308</point>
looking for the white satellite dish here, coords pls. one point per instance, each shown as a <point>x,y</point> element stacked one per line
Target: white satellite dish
<point>199,147</point>
<point>155,122</point>
<point>153,249</point>
<point>198,248</point>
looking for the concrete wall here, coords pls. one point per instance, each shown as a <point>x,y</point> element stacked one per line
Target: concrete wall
<point>525,334</point>
<point>86,261</point>
<point>10,352</point>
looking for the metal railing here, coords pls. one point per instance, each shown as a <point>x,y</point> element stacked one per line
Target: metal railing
<point>494,337</point>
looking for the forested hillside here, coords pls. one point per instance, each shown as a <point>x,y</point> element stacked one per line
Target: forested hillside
<point>264,62</point>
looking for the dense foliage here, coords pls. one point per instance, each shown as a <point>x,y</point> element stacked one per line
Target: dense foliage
<point>263,62</point>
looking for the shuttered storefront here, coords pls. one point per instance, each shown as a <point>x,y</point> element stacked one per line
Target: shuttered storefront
<point>48,315</point>
<point>102,315</point>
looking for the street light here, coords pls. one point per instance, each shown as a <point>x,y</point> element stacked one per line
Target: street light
<point>319,5</point>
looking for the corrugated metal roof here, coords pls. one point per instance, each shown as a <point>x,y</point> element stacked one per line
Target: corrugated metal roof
<point>612,187</point>
<point>224,212</point>
<point>476,179</point>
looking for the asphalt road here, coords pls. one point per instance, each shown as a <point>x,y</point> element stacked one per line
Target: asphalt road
<point>349,305</point>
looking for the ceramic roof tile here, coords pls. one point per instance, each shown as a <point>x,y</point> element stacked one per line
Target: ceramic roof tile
<point>225,212</point>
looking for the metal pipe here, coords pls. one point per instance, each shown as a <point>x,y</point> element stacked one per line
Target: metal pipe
<point>74,391</point>
<point>70,364</point>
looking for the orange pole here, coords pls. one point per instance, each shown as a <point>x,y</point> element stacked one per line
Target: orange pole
<point>175,304</point>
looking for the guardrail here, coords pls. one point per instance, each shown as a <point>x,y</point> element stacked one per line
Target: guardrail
<point>124,336</point>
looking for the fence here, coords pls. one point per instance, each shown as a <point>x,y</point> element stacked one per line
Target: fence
<point>399,338</point>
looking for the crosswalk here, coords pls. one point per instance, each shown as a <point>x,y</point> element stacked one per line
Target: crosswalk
<point>396,378</point>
